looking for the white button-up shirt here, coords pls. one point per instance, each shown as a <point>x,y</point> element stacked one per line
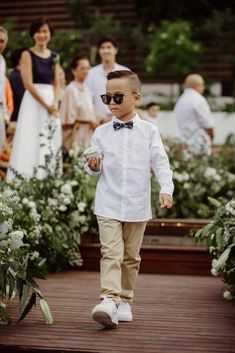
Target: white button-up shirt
<point>123,191</point>
<point>96,82</point>
<point>193,116</point>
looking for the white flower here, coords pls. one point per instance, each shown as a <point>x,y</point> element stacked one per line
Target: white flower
<point>31,204</point>
<point>62,208</point>
<point>214,272</point>
<point>82,219</point>
<point>230,207</point>
<point>4,243</point>
<point>66,201</point>
<point>34,255</point>
<point>181,177</point>
<point>17,235</point>
<point>211,173</point>
<point>74,183</point>
<point>25,201</point>
<point>81,206</point>
<point>66,189</point>
<point>52,202</point>
<point>15,244</point>
<point>5,227</point>
<point>227,295</point>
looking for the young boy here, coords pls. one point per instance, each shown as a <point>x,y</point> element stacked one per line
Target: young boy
<point>126,148</point>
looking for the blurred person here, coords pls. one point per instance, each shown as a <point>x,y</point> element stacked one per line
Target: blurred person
<point>97,77</point>
<point>152,110</point>
<point>3,44</point>
<point>62,84</point>
<point>38,113</point>
<point>77,109</point>
<point>193,116</point>
<point>9,100</point>
<point>16,82</point>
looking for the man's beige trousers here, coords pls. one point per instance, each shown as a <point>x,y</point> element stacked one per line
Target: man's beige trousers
<point>119,266</point>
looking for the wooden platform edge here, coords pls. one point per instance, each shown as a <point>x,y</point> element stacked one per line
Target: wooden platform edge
<point>190,260</point>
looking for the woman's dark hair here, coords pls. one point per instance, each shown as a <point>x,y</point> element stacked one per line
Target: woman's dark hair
<point>105,40</point>
<point>76,60</point>
<point>38,23</point>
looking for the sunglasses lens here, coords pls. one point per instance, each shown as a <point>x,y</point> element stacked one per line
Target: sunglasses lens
<point>118,98</point>
<point>106,99</point>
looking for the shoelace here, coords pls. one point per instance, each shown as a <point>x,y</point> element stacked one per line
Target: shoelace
<point>124,307</point>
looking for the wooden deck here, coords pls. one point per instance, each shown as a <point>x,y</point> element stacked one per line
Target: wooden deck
<point>173,314</point>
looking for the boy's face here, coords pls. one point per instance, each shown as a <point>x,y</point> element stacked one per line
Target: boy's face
<point>126,109</point>
<point>108,51</point>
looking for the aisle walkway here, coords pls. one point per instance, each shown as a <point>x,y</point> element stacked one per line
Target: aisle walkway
<point>173,314</point>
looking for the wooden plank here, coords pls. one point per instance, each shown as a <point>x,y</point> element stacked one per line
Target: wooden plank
<point>173,314</point>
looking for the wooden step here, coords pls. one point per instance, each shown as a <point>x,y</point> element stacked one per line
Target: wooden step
<point>167,259</point>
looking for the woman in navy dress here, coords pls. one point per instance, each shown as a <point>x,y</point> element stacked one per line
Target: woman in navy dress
<point>38,113</point>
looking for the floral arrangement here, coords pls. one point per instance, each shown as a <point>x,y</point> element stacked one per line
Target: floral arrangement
<point>19,265</point>
<point>196,178</point>
<point>55,211</point>
<point>220,237</point>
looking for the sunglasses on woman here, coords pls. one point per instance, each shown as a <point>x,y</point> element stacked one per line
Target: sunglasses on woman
<point>117,98</point>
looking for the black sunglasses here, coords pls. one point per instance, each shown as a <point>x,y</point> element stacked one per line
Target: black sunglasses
<point>117,98</point>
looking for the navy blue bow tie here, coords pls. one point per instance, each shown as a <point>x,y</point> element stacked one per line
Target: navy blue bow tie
<point>118,126</point>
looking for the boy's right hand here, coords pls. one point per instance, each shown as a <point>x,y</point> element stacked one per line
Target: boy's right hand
<point>94,163</point>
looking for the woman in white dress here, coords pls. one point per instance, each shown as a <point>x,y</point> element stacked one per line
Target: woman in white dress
<point>38,113</point>
<point>77,110</point>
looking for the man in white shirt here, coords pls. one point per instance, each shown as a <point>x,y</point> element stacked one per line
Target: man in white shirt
<point>3,43</point>
<point>126,147</point>
<point>193,116</point>
<point>97,77</point>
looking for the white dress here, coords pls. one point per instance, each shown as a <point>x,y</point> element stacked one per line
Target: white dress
<point>33,139</point>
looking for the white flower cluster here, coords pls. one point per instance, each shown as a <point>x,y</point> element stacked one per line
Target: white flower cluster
<point>31,205</point>
<point>230,207</point>
<point>211,173</point>
<point>181,177</point>
<point>63,196</point>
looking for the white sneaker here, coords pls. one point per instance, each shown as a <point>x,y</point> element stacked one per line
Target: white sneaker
<point>124,312</point>
<point>106,313</point>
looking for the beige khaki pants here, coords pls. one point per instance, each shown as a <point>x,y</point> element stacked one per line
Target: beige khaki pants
<point>120,262</point>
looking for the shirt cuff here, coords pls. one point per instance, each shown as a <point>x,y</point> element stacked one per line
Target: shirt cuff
<point>166,190</point>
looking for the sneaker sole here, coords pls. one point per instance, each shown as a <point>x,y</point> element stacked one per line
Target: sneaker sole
<point>104,319</point>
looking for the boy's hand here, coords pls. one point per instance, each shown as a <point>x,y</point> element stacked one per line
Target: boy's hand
<point>165,201</point>
<point>94,163</point>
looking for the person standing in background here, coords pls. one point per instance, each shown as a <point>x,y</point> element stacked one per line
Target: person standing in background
<point>152,110</point>
<point>38,114</point>
<point>16,82</point>
<point>3,44</point>
<point>77,109</point>
<point>193,116</point>
<point>97,78</point>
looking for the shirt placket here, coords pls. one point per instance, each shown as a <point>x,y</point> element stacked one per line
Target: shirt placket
<point>125,132</point>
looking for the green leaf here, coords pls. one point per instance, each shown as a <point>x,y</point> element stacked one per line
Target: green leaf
<point>31,303</point>
<point>214,202</point>
<point>12,284</point>
<point>24,296</point>
<point>46,311</point>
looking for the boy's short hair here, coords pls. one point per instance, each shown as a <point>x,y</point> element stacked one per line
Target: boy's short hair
<point>76,60</point>
<point>151,104</point>
<point>38,23</point>
<point>131,76</point>
<point>105,40</point>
